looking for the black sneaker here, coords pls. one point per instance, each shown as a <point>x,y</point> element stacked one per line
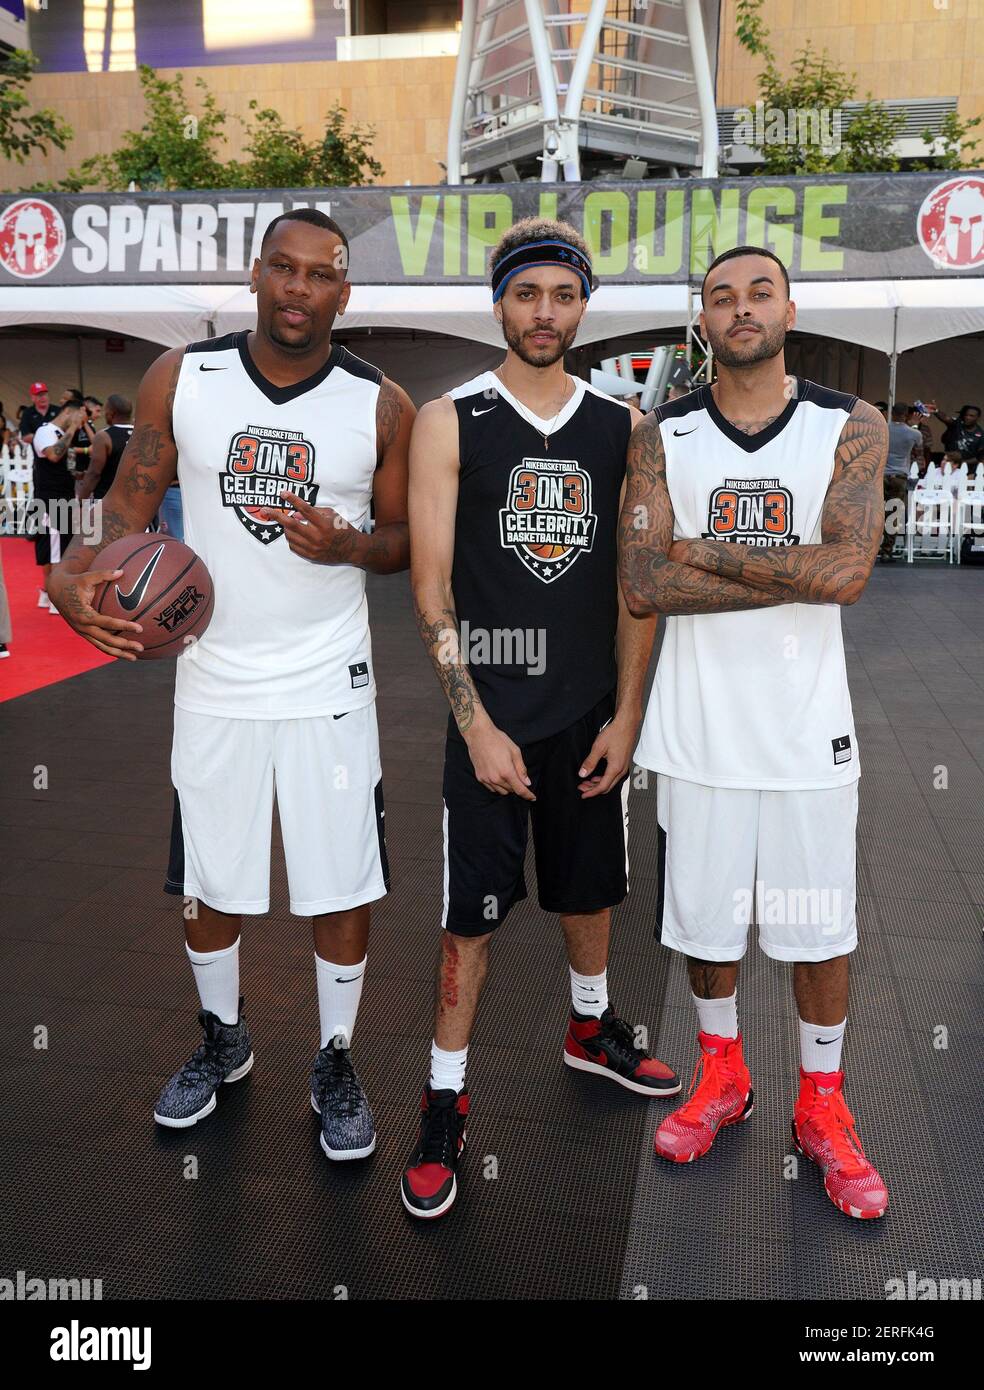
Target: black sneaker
<point>3,650</point>
<point>429,1186</point>
<point>347,1128</point>
<point>225,1055</point>
<point>606,1047</point>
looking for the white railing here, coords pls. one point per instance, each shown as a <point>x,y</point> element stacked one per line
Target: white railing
<point>16,488</point>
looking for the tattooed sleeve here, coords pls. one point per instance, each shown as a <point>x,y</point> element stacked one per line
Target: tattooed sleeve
<point>836,570</point>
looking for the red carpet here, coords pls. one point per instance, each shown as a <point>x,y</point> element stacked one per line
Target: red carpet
<point>43,649</point>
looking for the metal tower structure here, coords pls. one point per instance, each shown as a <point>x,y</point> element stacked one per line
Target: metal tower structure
<point>554,89</point>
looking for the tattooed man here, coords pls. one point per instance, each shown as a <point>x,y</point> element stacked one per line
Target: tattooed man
<point>515,484</point>
<point>753,510</point>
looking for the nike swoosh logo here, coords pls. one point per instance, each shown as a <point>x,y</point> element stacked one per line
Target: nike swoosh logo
<point>203,368</point>
<point>134,598</point>
<point>340,981</point>
<point>482,412</point>
<point>678,432</point>
<point>341,716</point>
<point>825,1042</point>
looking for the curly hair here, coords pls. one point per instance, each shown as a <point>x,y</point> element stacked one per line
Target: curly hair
<point>533,229</point>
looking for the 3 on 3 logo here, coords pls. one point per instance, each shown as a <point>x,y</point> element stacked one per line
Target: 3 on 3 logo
<point>547,519</point>
<point>260,465</point>
<point>32,238</point>
<point>751,511</point>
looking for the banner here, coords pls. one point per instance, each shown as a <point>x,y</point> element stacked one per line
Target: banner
<point>854,227</point>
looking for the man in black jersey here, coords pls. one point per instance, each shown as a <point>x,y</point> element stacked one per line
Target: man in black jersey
<point>107,449</point>
<point>516,481</point>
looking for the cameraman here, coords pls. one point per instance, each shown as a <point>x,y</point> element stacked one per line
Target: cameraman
<point>54,483</point>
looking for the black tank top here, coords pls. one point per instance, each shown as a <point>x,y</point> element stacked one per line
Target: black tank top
<point>535,575</point>
<point>119,437</point>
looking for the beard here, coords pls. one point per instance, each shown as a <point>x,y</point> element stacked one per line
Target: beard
<point>544,356</point>
<point>747,351</point>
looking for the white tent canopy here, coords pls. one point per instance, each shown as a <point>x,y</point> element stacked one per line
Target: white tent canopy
<point>465,311</point>
<point>878,314</point>
<point>168,314</point>
<point>865,311</point>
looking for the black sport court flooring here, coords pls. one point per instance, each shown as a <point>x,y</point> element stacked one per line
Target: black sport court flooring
<point>561,1194</point>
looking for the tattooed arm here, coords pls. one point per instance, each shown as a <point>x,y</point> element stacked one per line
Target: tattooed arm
<point>852,527</point>
<point>434,465</point>
<point>650,580</point>
<point>148,466</point>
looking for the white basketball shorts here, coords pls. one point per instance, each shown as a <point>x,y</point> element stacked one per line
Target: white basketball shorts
<point>326,774</point>
<point>785,860</point>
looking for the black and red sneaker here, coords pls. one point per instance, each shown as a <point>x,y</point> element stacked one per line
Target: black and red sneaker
<point>606,1047</point>
<point>429,1186</point>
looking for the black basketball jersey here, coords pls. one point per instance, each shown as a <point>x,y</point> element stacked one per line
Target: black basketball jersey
<point>119,438</point>
<point>535,575</point>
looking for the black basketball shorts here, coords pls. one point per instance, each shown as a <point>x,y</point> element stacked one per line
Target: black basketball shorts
<point>580,846</point>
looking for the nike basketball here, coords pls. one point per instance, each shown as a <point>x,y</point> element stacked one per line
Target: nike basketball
<point>164,587</point>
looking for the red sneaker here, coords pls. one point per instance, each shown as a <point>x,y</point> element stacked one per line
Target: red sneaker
<point>723,1097</point>
<point>606,1047</point>
<point>823,1131</point>
<point>429,1185</point>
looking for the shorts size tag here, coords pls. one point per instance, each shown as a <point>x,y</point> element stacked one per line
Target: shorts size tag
<point>360,674</point>
<point>842,749</point>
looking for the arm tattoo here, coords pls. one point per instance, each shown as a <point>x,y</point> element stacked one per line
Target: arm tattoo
<point>852,525</point>
<point>389,414</point>
<point>652,582</point>
<point>442,640</point>
<point>148,446</point>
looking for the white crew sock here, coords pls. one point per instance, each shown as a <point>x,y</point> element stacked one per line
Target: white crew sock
<point>589,993</point>
<point>718,1016</point>
<point>217,978</point>
<point>447,1069</point>
<point>820,1046</point>
<point>339,992</point>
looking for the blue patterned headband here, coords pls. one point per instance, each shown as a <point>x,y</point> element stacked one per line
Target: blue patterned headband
<point>540,253</point>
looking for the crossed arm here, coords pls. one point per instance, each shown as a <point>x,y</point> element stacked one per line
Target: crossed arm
<point>661,575</point>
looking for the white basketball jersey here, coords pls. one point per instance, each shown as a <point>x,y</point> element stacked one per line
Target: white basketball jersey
<point>757,698</point>
<point>288,637</point>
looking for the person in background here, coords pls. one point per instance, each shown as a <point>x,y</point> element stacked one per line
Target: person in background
<point>107,449</point>
<point>171,517</point>
<point>5,629</point>
<point>54,483</point>
<point>40,412</point>
<point>8,428</point>
<point>81,444</point>
<point>916,419</point>
<point>883,407</point>
<point>963,438</point>
<point>902,440</point>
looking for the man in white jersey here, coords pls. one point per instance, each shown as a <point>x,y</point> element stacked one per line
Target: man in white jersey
<point>281,441</point>
<point>753,510</point>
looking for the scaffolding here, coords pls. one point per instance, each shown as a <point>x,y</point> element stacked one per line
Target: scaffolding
<point>551,89</point>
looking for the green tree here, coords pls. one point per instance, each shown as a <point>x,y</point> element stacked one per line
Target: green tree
<point>174,148</point>
<point>280,157</point>
<point>24,133</point>
<point>817,84</point>
<point>952,148</point>
<point>177,148</point>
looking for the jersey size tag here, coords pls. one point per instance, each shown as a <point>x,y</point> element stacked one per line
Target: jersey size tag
<point>360,674</point>
<point>842,749</point>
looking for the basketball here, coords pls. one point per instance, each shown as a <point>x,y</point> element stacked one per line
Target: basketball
<point>546,552</point>
<point>164,587</point>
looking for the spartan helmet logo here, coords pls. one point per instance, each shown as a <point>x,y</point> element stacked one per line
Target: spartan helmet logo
<point>30,251</point>
<point>32,238</point>
<point>964,229</point>
<point>950,224</point>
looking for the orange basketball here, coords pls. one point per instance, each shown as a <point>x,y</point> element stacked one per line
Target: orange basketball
<point>546,552</point>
